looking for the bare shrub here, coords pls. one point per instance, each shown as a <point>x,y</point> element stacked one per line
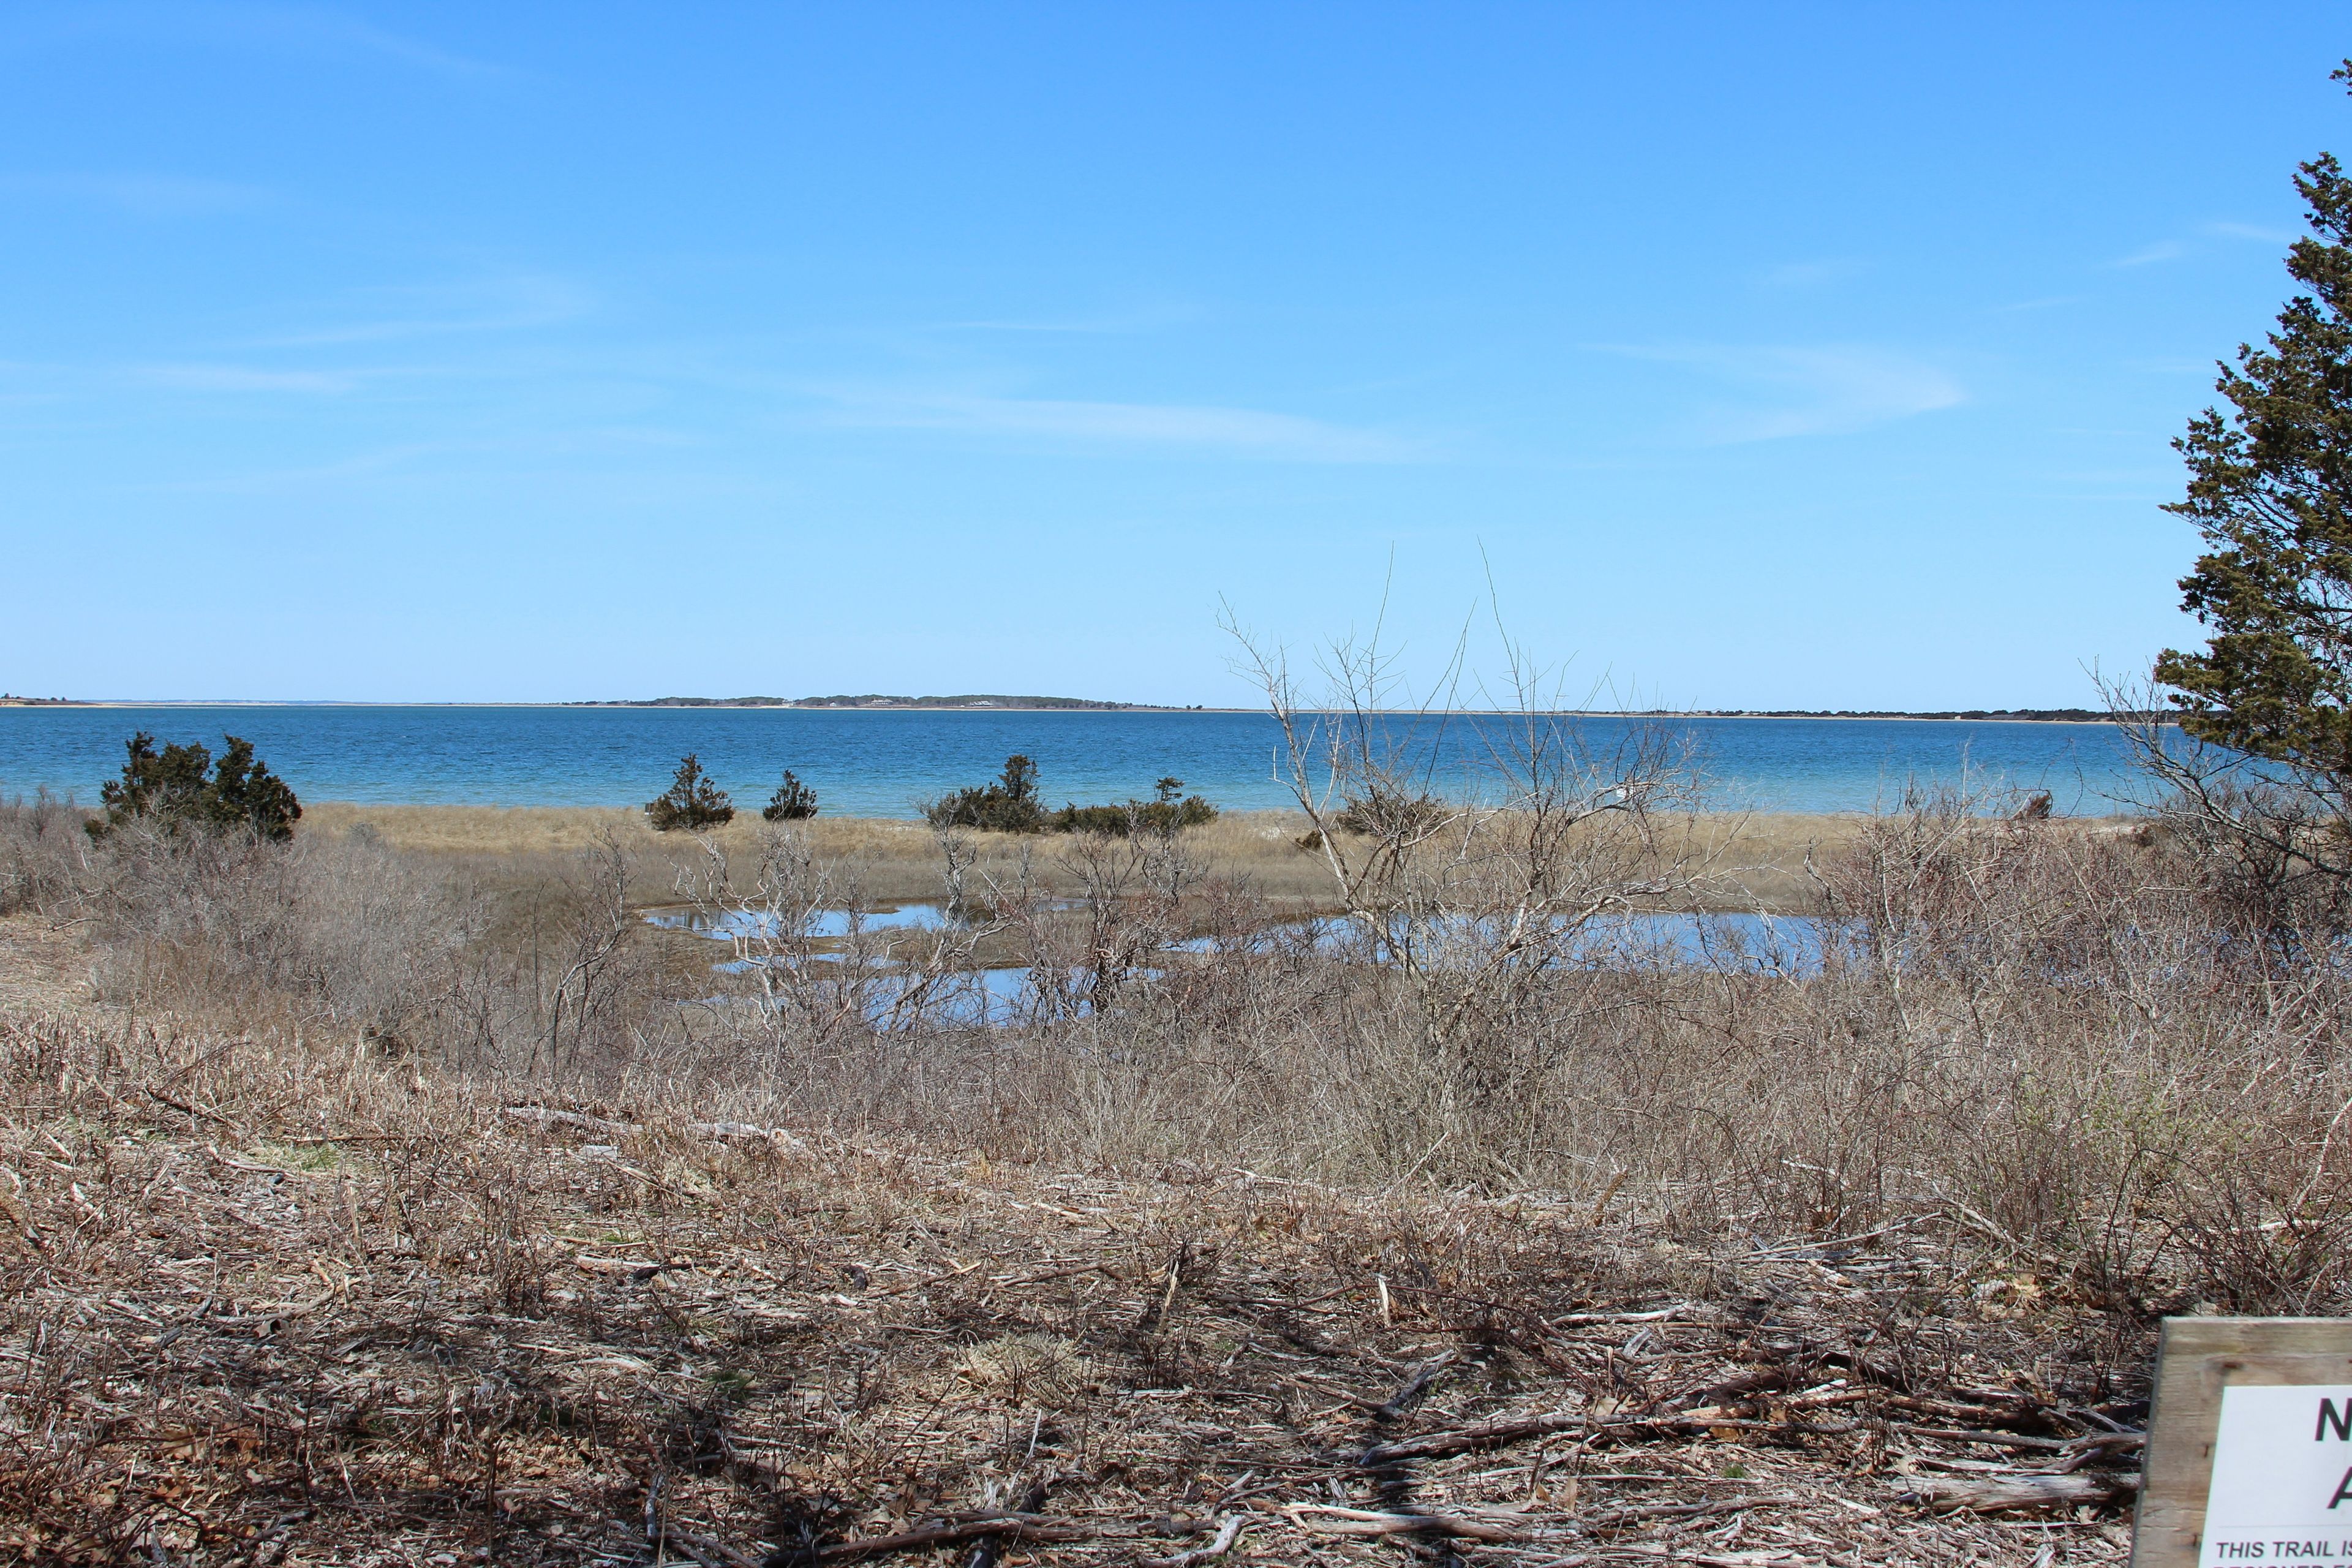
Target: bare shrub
<point>341,935</point>
<point>42,848</point>
<point>2076,1050</point>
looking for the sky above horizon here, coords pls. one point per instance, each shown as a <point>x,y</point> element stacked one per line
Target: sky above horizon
<point>1784,357</point>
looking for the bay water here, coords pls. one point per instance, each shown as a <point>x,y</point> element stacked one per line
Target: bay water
<point>881,763</point>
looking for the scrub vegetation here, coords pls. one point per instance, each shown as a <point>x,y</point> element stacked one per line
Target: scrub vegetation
<point>367,1200</point>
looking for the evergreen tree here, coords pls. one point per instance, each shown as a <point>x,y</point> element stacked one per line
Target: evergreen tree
<point>793,801</point>
<point>2271,489</point>
<point>692,801</point>
<point>1007,805</point>
<point>182,787</point>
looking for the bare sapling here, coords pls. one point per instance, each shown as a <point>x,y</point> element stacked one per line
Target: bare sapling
<point>1481,900</point>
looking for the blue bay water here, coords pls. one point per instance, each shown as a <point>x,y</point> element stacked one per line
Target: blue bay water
<point>879,763</point>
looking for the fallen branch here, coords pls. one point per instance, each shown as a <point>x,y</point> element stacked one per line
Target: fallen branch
<point>1365,1521</point>
<point>541,1116</point>
<point>184,1109</point>
<point>1468,1439</point>
<point>1663,1315</point>
<point>705,1547</point>
<point>1027,1528</point>
<point>638,1269</point>
<point>1227,1534</point>
<point>2022,1491</point>
<point>1997,1439</point>
<point>1639,1511</point>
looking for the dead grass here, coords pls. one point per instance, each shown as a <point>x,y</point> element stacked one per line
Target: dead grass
<point>351,1225</point>
<point>1756,861</point>
<point>278,1302</point>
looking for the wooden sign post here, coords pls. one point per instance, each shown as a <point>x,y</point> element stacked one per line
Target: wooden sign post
<point>2248,1446</point>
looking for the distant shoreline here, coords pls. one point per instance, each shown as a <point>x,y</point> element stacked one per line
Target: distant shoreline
<point>1962,716</point>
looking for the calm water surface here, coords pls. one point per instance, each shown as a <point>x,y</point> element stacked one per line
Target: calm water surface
<point>869,763</point>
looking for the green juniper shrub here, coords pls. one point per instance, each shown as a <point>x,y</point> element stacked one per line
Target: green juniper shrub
<point>1164,813</point>
<point>1008,804</point>
<point>793,801</point>
<point>183,787</point>
<point>692,800</point>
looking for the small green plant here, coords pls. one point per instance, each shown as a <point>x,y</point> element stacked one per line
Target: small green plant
<point>793,801</point>
<point>692,801</point>
<point>182,787</point>
<point>1007,804</point>
<point>1164,813</point>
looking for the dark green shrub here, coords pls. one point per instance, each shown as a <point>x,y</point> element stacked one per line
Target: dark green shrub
<point>793,801</point>
<point>1008,804</point>
<point>182,787</point>
<point>1165,813</point>
<point>691,800</point>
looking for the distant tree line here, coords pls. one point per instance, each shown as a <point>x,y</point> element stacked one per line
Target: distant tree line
<point>882,700</point>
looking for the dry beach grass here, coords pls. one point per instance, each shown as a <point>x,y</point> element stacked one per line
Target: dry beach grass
<point>1757,859</point>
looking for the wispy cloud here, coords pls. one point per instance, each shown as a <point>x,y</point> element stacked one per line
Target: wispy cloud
<point>1243,432</point>
<point>1806,390</point>
<point>508,302</point>
<point>2254,231</point>
<point>318,27</point>
<point>302,29</point>
<point>1814,274</point>
<point>142,195</point>
<point>1110,322</point>
<point>241,378</point>
<point>2162,250</point>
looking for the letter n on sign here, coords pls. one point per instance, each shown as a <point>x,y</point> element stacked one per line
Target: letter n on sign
<point>2250,1444</point>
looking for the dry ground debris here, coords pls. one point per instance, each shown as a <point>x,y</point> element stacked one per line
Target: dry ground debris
<point>279,1302</point>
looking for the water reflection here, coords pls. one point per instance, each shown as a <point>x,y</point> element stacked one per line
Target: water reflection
<point>764,925</point>
<point>1790,944</point>
<point>1787,946</point>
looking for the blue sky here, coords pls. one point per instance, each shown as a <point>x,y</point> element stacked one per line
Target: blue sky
<point>1773,355</point>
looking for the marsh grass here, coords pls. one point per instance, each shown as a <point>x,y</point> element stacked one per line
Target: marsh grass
<point>1756,860</point>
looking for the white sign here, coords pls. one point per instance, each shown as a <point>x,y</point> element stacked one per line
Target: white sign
<point>2282,1489</point>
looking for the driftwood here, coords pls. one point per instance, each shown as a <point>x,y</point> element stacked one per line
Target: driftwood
<point>1227,1534</point>
<point>1641,1511</point>
<point>1466,1439</point>
<point>1368,1522</point>
<point>1997,1493</point>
